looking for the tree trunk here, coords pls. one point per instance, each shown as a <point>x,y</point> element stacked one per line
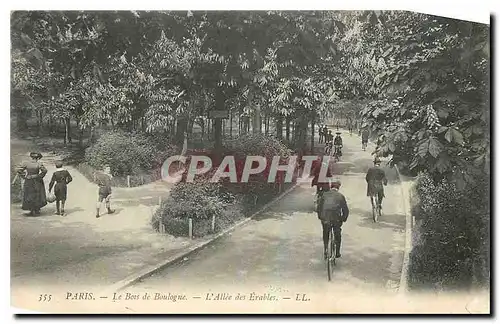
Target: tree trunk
<point>266,125</point>
<point>68,126</point>
<point>231,124</point>
<point>80,133</point>
<point>279,127</point>
<point>312,134</point>
<point>181,129</point>
<point>202,128</point>
<point>91,135</point>
<point>66,131</point>
<point>287,129</point>
<point>220,104</point>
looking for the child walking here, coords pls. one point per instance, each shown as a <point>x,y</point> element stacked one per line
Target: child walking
<point>60,178</point>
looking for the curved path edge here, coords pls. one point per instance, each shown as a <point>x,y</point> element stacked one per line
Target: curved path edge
<point>405,191</point>
<point>145,272</point>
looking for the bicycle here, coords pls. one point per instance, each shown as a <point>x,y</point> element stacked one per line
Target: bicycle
<point>376,207</point>
<point>330,254</point>
<point>336,155</point>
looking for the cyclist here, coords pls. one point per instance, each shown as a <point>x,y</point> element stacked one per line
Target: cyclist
<point>332,212</point>
<point>376,180</point>
<point>316,181</point>
<point>328,148</point>
<point>337,142</point>
<point>328,136</point>
<point>364,138</point>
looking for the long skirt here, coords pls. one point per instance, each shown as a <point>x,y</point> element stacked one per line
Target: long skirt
<point>34,196</point>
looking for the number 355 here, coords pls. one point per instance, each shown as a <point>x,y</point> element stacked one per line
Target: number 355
<point>45,298</point>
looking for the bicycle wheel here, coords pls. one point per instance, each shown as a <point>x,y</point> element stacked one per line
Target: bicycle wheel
<point>374,209</point>
<point>329,254</point>
<point>332,244</point>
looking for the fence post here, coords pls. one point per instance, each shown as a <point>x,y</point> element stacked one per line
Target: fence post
<point>190,228</point>
<point>159,201</point>
<point>213,223</point>
<point>128,181</point>
<point>160,226</point>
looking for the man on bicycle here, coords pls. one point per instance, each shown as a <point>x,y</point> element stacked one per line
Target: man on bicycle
<point>376,180</point>
<point>337,142</point>
<point>332,212</point>
<point>316,181</point>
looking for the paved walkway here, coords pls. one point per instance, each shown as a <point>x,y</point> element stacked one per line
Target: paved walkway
<point>79,248</point>
<point>281,251</point>
<point>282,248</point>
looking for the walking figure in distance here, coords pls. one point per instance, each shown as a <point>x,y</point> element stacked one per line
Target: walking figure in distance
<point>321,134</point>
<point>60,178</point>
<point>33,172</point>
<point>364,138</point>
<point>332,212</point>
<point>376,180</point>
<point>338,145</point>
<point>103,180</point>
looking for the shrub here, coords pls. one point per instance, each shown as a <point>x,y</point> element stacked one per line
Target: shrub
<point>200,201</point>
<point>454,235</point>
<point>124,153</point>
<point>129,153</point>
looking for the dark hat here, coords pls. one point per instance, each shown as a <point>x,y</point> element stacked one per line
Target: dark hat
<point>338,133</point>
<point>36,155</point>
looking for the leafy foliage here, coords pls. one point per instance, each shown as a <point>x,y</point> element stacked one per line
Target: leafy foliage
<point>124,153</point>
<point>454,244</point>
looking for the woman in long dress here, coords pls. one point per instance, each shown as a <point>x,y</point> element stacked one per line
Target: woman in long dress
<point>32,172</point>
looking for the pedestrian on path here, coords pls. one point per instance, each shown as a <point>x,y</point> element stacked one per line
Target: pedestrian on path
<point>103,180</point>
<point>364,138</point>
<point>333,212</point>
<point>60,178</point>
<point>321,134</point>
<point>33,172</point>
<point>376,180</point>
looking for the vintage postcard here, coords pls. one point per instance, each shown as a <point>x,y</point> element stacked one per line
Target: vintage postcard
<point>270,162</point>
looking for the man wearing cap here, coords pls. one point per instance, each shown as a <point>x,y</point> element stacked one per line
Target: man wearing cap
<point>333,212</point>
<point>376,180</point>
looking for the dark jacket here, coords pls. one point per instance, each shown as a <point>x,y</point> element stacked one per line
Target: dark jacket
<point>376,179</point>
<point>364,135</point>
<point>333,207</point>
<point>104,182</point>
<point>337,141</point>
<point>316,173</point>
<point>60,178</point>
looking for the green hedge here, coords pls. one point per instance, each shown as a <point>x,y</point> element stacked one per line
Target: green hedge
<point>228,202</point>
<point>128,153</point>
<point>452,252</point>
<point>135,155</point>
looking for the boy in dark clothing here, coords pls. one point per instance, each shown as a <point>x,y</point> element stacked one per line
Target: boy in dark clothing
<point>60,178</point>
<point>104,193</point>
